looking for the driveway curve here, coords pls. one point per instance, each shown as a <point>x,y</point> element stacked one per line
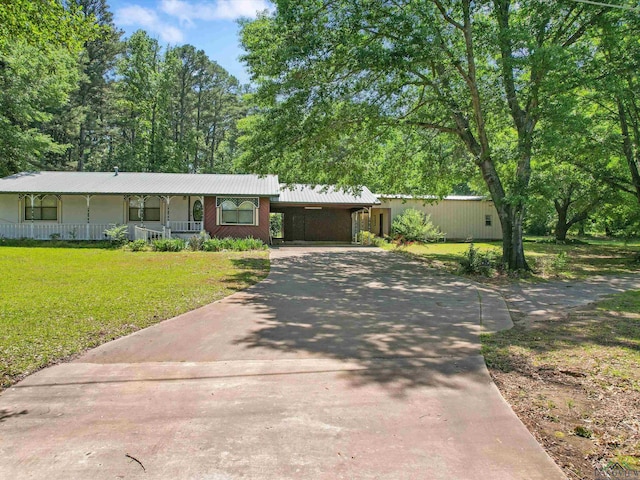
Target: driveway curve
<point>349,363</point>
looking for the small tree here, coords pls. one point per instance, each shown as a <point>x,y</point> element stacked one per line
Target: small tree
<point>414,226</point>
<point>118,234</point>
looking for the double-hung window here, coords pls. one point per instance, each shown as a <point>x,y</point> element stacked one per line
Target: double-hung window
<point>147,211</point>
<point>43,208</point>
<point>237,210</point>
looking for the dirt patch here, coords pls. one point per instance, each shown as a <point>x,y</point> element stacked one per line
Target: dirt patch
<point>574,382</point>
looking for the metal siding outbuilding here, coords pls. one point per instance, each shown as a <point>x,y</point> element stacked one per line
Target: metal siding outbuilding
<point>460,218</point>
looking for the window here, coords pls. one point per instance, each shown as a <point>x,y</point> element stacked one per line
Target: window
<point>487,220</point>
<point>149,211</point>
<point>237,211</point>
<point>197,211</point>
<point>43,208</point>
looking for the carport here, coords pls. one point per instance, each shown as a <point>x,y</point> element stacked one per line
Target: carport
<point>322,213</point>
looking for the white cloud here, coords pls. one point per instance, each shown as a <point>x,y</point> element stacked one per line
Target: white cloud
<point>188,11</point>
<point>149,20</point>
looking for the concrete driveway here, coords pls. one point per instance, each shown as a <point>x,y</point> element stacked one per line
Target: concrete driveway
<point>345,363</point>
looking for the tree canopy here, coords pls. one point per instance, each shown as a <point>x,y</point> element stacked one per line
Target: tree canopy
<point>338,79</point>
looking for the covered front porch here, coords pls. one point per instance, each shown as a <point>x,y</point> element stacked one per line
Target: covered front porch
<point>86,217</point>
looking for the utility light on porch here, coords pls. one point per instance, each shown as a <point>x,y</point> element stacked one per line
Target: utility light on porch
<point>313,208</point>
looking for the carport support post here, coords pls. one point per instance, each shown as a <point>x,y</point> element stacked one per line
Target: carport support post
<point>88,230</point>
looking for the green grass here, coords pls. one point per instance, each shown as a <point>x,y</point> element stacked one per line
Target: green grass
<point>603,341</point>
<point>57,302</point>
<point>548,260</point>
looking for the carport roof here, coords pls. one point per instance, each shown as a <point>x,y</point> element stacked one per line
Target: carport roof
<point>133,183</point>
<point>323,194</point>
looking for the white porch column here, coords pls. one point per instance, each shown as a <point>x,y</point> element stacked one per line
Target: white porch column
<point>203,213</point>
<point>32,197</point>
<point>21,198</point>
<point>167,201</point>
<point>59,208</point>
<point>142,199</point>
<point>88,230</point>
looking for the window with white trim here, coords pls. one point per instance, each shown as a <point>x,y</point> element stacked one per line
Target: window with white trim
<point>237,210</point>
<point>43,208</point>
<point>147,211</point>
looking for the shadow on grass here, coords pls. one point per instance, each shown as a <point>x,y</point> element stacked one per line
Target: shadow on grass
<point>593,333</point>
<point>249,270</point>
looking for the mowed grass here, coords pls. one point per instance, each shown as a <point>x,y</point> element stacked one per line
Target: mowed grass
<point>57,302</point>
<point>547,259</point>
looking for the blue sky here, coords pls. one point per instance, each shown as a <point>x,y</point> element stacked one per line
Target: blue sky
<point>210,25</point>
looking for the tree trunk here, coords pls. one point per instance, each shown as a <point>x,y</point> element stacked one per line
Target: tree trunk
<point>511,217</point>
<point>561,224</point>
<point>512,244</point>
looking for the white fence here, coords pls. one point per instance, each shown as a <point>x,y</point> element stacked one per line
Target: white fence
<point>148,235</point>
<point>186,226</point>
<point>54,231</point>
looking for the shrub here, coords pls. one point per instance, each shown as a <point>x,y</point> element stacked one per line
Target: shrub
<point>166,245</point>
<point>368,238</point>
<point>138,245</point>
<point>477,262</point>
<point>414,226</point>
<point>233,244</point>
<point>212,245</point>
<point>196,242</point>
<point>118,234</point>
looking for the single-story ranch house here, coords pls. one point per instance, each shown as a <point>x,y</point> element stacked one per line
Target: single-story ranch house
<point>82,205</point>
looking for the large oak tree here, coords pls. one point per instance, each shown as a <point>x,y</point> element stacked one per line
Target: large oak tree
<point>335,77</point>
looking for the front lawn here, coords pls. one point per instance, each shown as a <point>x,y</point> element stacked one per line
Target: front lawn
<point>548,260</point>
<point>574,380</point>
<point>58,302</point>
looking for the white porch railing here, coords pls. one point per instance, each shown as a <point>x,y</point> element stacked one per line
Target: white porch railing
<point>183,226</point>
<point>148,235</point>
<point>54,231</point>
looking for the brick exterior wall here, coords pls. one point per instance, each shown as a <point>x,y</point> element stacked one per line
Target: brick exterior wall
<point>260,231</point>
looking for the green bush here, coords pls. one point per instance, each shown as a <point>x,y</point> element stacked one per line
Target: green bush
<point>118,234</point>
<point>414,226</point>
<point>138,245</point>
<point>275,225</point>
<point>168,245</point>
<point>233,244</point>
<point>196,242</point>
<point>368,238</point>
<point>477,262</point>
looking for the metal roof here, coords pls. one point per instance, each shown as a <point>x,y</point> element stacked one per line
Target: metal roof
<point>432,197</point>
<point>139,183</point>
<point>324,194</point>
